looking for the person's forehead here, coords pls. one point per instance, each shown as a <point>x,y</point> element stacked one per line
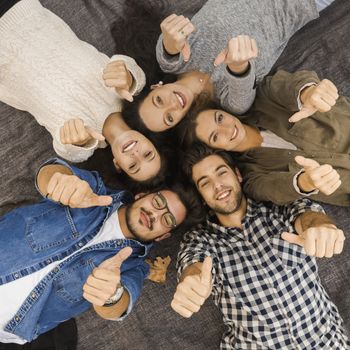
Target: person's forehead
<point>207,166</point>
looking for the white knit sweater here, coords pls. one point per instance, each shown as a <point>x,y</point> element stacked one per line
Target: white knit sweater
<point>46,70</point>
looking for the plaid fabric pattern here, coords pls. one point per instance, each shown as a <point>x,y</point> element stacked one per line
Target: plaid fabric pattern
<point>267,289</point>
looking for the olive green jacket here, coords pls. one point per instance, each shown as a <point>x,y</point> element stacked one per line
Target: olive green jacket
<point>268,172</point>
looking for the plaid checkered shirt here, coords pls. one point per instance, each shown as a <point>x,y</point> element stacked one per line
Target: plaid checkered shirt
<point>267,289</point>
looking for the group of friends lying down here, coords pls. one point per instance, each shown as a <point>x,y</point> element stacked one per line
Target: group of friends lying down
<point>246,161</point>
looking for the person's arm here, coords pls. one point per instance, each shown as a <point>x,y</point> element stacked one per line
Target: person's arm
<point>194,288</point>
<point>108,282</point>
<point>77,188</point>
<point>317,234</point>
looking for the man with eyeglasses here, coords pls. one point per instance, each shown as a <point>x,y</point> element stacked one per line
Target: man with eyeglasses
<point>83,243</point>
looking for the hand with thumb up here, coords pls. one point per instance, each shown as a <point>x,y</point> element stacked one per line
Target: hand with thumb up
<point>321,97</point>
<point>321,241</point>
<point>194,289</point>
<point>317,177</point>
<point>104,280</point>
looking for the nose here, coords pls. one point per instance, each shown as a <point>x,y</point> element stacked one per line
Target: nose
<point>225,131</point>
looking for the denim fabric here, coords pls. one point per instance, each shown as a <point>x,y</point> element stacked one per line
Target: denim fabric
<point>34,236</point>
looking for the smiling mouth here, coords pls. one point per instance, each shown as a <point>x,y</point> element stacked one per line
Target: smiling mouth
<point>129,146</point>
<point>181,98</point>
<point>223,195</point>
<point>234,134</point>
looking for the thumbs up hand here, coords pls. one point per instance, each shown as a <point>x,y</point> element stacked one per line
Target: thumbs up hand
<point>321,97</point>
<point>72,191</point>
<point>239,51</point>
<point>321,241</point>
<point>74,132</point>
<point>102,284</point>
<point>316,176</point>
<point>175,30</point>
<point>192,292</point>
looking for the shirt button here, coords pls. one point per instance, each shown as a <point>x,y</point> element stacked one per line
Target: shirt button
<point>33,295</point>
<point>289,314</point>
<point>80,244</point>
<point>16,275</point>
<point>118,243</point>
<point>17,318</point>
<point>56,269</point>
<point>48,261</point>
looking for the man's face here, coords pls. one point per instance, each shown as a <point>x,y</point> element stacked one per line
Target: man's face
<point>154,215</point>
<point>218,184</point>
<point>165,106</point>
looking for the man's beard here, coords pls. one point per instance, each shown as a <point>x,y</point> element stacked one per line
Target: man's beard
<point>228,211</point>
<point>131,227</point>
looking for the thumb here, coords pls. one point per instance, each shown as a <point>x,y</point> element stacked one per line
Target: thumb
<point>114,263</point>
<point>96,135</point>
<point>206,271</point>
<point>292,238</point>
<point>307,163</point>
<point>97,201</point>
<point>220,58</point>
<point>125,94</point>
<point>302,114</point>
<point>186,51</point>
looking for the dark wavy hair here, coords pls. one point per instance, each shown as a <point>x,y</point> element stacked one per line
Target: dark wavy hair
<point>200,151</point>
<point>186,129</point>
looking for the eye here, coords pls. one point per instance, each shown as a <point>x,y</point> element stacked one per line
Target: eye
<point>132,166</point>
<point>220,118</point>
<point>169,119</point>
<point>148,155</point>
<point>204,184</point>
<point>215,138</point>
<point>221,173</point>
<point>158,99</point>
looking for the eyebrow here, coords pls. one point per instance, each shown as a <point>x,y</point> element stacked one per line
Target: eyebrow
<point>216,170</point>
<point>212,133</point>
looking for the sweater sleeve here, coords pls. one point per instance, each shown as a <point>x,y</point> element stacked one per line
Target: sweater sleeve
<point>235,93</point>
<point>75,154</point>
<point>137,73</point>
<point>284,88</point>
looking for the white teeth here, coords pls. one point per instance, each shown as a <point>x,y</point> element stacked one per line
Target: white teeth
<point>223,195</point>
<point>234,134</point>
<point>182,103</point>
<point>130,146</point>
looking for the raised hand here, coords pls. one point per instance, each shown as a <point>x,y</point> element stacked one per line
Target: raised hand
<point>192,292</point>
<point>239,51</point>
<point>321,97</point>
<point>105,279</point>
<point>175,31</point>
<point>74,192</point>
<point>74,132</point>
<point>316,176</point>
<point>321,241</point>
<point>116,75</point>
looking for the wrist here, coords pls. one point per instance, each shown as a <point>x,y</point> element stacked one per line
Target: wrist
<point>239,69</point>
<point>304,183</point>
<point>170,51</point>
<point>116,297</point>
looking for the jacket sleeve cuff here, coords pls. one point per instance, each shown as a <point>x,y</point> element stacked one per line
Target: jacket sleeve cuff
<point>139,78</point>
<point>168,63</point>
<point>297,188</point>
<point>300,104</point>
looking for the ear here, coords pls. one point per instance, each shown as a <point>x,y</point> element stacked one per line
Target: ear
<point>117,167</point>
<point>238,174</point>
<point>154,86</point>
<point>140,195</point>
<point>166,235</point>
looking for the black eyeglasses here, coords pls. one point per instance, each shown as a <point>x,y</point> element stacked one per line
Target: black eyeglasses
<point>159,202</point>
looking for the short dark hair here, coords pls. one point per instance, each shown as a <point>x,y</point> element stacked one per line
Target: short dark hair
<point>200,151</point>
<point>186,129</point>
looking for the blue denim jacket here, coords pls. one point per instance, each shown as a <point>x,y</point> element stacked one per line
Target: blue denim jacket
<point>36,235</point>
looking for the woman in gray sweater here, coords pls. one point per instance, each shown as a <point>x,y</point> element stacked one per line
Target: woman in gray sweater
<point>215,52</point>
